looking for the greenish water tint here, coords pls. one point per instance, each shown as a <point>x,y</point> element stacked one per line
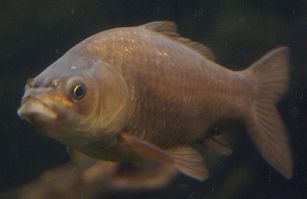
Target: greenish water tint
<point>34,33</point>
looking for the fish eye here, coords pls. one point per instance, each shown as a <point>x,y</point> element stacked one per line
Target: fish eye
<point>77,90</point>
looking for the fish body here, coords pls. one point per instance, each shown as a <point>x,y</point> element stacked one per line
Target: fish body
<point>183,91</point>
<point>145,92</point>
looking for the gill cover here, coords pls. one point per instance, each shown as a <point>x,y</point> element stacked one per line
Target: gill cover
<point>112,104</point>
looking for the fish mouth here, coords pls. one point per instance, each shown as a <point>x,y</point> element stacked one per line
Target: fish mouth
<point>34,110</point>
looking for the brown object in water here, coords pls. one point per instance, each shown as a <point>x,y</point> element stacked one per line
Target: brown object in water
<point>89,180</point>
<point>144,94</point>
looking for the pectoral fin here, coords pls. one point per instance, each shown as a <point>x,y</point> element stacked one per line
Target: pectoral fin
<point>185,159</point>
<point>189,161</point>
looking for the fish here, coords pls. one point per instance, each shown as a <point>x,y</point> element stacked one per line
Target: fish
<point>147,95</point>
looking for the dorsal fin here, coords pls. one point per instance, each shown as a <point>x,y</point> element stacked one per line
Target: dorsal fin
<point>169,29</point>
<point>163,27</point>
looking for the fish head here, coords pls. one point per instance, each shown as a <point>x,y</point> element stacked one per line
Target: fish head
<point>76,100</point>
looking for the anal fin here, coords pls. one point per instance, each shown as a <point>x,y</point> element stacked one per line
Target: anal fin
<point>219,144</point>
<point>185,159</point>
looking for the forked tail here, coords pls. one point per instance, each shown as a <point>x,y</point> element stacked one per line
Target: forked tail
<point>270,76</point>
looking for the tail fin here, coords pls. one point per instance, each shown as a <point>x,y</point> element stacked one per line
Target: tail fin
<point>270,76</point>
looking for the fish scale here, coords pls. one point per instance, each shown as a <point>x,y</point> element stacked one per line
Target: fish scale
<point>183,86</point>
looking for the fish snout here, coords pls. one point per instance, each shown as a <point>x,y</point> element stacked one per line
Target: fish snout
<point>35,107</point>
<point>35,93</point>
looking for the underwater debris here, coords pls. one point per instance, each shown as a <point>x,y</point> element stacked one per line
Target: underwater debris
<point>87,180</point>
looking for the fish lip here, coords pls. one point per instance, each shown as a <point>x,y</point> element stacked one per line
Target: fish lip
<point>34,108</point>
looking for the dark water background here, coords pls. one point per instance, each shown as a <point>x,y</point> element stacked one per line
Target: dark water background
<point>34,33</point>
